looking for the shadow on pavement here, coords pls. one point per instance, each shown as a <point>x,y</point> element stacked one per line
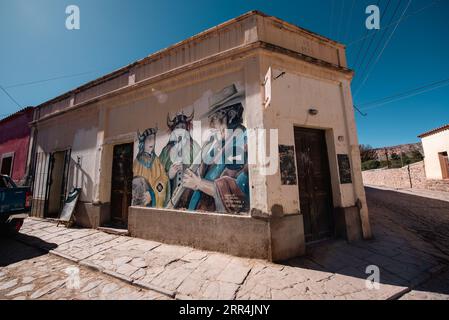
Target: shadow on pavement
<point>411,234</point>
<point>13,249</point>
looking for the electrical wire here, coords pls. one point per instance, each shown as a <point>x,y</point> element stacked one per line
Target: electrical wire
<point>363,44</point>
<point>394,23</point>
<point>382,51</point>
<point>9,96</point>
<point>372,39</point>
<point>406,94</point>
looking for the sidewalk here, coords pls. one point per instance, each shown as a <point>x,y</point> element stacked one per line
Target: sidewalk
<point>431,194</point>
<point>335,270</point>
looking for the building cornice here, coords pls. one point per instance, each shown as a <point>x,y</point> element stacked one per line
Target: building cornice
<point>246,50</point>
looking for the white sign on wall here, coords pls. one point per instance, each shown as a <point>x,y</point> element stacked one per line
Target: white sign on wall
<point>267,85</point>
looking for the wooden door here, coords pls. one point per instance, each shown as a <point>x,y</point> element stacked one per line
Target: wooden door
<point>444,162</point>
<point>121,183</point>
<point>315,190</point>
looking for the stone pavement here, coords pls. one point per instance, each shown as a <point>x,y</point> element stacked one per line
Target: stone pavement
<point>34,274</point>
<point>409,263</point>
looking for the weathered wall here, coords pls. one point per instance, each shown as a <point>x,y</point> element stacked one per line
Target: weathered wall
<point>14,140</point>
<point>75,131</point>
<point>399,178</point>
<point>233,34</point>
<point>296,88</point>
<point>151,116</point>
<point>432,145</point>
<point>411,176</point>
<point>276,239</point>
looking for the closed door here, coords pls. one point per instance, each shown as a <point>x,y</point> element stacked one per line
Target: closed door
<point>315,191</point>
<point>121,183</point>
<point>444,162</point>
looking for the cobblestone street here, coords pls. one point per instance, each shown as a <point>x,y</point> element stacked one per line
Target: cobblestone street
<point>410,248</point>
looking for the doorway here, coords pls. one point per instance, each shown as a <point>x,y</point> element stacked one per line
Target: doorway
<point>121,183</point>
<point>314,182</point>
<point>57,183</point>
<point>444,162</point>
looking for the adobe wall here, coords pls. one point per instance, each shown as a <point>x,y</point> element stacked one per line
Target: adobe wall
<point>412,176</point>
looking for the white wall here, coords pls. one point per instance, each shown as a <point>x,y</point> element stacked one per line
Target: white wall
<point>432,145</point>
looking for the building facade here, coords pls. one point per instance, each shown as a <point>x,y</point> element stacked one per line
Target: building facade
<point>436,147</point>
<point>15,136</point>
<point>272,162</point>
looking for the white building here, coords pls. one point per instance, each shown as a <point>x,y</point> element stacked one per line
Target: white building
<point>436,148</point>
<point>259,72</point>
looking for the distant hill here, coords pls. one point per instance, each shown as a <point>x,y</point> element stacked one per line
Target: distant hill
<point>403,148</point>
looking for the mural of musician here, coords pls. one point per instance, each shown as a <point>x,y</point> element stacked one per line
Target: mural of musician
<point>220,182</point>
<point>180,148</point>
<point>151,186</point>
<point>211,176</point>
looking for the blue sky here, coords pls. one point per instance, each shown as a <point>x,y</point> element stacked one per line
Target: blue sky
<point>35,45</point>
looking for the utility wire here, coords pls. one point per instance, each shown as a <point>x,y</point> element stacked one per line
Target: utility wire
<point>363,44</point>
<point>405,94</point>
<point>9,96</point>
<point>340,22</point>
<point>382,51</point>
<point>349,21</point>
<point>372,39</point>
<point>331,18</point>
<point>49,79</point>
<point>394,23</point>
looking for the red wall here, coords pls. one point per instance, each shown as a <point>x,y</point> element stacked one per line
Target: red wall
<point>15,137</point>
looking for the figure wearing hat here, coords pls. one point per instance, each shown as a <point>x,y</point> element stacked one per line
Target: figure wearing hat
<point>150,183</point>
<point>221,184</point>
<point>180,151</point>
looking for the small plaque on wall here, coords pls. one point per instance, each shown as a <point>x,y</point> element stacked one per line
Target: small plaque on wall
<point>344,168</point>
<point>287,165</point>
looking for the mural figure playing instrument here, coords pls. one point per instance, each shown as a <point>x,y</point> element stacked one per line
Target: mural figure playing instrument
<point>151,187</point>
<point>180,152</point>
<point>220,181</point>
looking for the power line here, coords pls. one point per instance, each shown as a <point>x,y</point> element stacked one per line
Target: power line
<point>49,79</point>
<point>372,39</point>
<point>378,44</point>
<point>9,96</point>
<point>394,23</point>
<point>331,18</point>
<point>340,22</point>
<point>382,51</point>
<point>363,44</point>
<point>349,21</point>
<point>405,94</point>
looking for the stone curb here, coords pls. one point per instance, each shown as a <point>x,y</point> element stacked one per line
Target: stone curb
<point>97,268</point>
<point>118,276</point>
<point>152,287</point>
<point>63,255</point>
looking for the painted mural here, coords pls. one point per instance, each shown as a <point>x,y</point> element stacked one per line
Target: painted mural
<point>209,173</point>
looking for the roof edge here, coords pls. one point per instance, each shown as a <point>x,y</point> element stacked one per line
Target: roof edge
<point>123,70</point>
<point>434,131</point>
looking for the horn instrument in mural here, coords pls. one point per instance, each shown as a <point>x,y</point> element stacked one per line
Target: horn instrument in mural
<point>177,194</point>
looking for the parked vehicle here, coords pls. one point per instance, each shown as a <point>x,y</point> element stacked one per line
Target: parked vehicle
<point>15,205</point>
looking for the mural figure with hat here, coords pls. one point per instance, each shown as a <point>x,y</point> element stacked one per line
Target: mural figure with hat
<point>151,186</point>
<point>180,152</point>
<point>220,182</point>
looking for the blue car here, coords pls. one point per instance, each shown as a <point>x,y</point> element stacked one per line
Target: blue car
<point>15,205</point>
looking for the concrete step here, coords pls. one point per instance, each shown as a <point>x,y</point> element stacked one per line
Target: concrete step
<point>114,231</point>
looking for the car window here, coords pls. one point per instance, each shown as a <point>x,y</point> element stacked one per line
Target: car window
<point>6,182</point>
<point>2,183</point>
